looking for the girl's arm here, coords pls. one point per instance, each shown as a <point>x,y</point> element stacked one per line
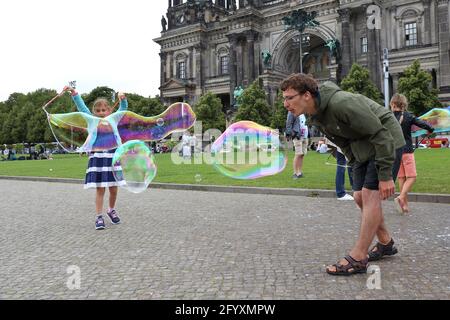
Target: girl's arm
<point>422,124</point>
<point>123,102</point>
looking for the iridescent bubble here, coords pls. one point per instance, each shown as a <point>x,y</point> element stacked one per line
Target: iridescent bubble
<point>133,162</point>
<point>247,150</point>
<point>86,132</point>
<point>438,118</point>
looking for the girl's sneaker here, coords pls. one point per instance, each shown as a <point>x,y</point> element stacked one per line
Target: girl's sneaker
<point>113,216</point>
<point>99,223</point>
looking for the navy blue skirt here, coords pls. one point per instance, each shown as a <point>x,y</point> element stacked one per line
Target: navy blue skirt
<point>99,172</point>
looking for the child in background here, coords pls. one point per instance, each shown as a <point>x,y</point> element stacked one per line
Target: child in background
<point>405,164</point>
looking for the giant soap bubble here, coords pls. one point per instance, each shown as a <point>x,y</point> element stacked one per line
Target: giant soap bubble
<point>247,150</point>
<point>90,133</point>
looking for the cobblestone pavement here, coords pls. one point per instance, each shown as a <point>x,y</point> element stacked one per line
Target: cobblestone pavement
<point>205,245</point>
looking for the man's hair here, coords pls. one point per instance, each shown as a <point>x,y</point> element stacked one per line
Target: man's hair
<point>301,83</point>
<point>400,101</point>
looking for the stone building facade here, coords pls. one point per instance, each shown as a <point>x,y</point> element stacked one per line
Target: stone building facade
<point>219,45</point>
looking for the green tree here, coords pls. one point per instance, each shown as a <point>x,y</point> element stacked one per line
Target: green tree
<point>415,85</point>
<point>209,111</point>
<point>148,107</point>
<point>358,81</point>
<point>99,92</point>
<point>279,115</point>
<point>253,105</point>
<point>23,120</point>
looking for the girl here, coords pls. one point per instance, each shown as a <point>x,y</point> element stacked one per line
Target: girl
<point>99,172</point>
<point>405,163</point>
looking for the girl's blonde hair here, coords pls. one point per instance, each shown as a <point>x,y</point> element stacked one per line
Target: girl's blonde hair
<point>99,101</point>
<point>400,101</point>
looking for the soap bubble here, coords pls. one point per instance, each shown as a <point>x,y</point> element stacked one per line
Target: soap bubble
<point>133,162</point>
<point>247,150</point>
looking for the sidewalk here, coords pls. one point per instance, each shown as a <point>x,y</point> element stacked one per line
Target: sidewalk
<point>180,244</point>
<point>315,193</point>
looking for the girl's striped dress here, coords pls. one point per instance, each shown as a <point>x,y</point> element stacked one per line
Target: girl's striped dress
<point>99,172</point>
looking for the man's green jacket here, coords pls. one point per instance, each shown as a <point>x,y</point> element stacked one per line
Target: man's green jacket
<point>362,128</point>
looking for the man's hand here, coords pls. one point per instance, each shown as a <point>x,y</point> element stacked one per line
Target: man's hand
<point>386,188</point>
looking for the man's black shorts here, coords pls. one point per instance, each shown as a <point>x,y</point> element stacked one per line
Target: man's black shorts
<point>365,175</point>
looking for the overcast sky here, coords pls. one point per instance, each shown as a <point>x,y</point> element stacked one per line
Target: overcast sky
<point>47,43</point>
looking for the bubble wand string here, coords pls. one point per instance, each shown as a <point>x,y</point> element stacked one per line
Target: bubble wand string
<point>51,101</point>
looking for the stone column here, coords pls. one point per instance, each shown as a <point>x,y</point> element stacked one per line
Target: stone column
<point>190,72</point>
<point>198,67</point>
<point>392,23</point>
<point>232,65</point>
<point>344,19</point>
<point>163,57</point>
<point>169,66</point>
<point>251,55</point>
<point>433,27</point>
<point>374,57</point>
<point>239,64</point>
<point>427,22</point>
<point>444,45</point>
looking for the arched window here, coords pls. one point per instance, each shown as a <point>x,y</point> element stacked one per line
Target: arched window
<point>411,19</point>
<point>223,61</point>
<point>181,64</point>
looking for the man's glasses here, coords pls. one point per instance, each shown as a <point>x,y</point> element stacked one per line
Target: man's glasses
<point>289,98</point>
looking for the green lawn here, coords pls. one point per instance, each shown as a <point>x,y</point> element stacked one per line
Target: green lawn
<point>433,167</point>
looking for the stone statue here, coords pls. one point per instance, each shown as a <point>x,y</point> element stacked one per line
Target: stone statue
<point>163,23</point>
<point>267,58</point>
<point>335,48</point>
<point>300,20</point>
<point>236,94</point>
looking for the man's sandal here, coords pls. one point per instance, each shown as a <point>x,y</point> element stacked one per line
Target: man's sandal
<point>379,250</point>
<point>352,267</point>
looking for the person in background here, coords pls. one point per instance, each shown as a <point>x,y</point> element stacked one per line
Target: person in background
<point>405,164</point>
<point>297,130</point>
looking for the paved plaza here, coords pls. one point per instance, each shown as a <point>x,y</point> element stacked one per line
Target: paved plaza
<point>177,244</point>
